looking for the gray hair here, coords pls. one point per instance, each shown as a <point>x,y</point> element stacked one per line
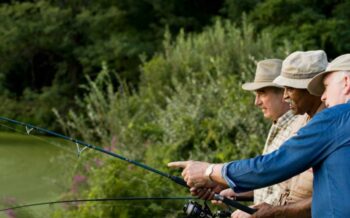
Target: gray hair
<point>340,75</point>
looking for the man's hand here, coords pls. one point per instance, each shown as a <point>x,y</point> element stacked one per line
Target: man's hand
<point>300,208</point>
<point>228,193</point>
<point>240,214</point>
<point>266,210</point>
<point>193,173</point>
<point>206,193</point>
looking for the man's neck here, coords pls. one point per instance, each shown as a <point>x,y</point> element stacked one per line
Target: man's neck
<point>274,121</point>
<point>314,109</point>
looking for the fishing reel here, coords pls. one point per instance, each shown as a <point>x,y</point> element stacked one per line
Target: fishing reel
<point>193,209</point>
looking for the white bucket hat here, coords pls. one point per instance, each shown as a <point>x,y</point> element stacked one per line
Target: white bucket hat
<point>300,67</point>
<point>341,63</point>
<point>266,71</point>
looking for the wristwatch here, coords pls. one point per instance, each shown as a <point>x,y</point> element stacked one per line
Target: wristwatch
<point>209,171</point>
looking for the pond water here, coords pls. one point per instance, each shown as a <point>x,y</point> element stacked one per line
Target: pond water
<point>33,169</point>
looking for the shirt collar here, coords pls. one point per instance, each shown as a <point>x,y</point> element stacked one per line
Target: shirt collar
<point>282,120</point>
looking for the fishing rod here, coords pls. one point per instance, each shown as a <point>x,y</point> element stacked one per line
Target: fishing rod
<point>176,179</point>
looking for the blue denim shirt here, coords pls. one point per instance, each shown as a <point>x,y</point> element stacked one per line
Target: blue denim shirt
<point>324,144</point>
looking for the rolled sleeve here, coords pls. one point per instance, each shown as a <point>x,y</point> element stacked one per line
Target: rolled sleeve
<point>225,174</point>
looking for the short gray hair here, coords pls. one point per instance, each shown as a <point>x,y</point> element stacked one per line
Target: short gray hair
<point>341,74</point>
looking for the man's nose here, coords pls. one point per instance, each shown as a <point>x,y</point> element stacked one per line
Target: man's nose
<point>257,101</point>
<point>285,94</point>
<point>323,97</point>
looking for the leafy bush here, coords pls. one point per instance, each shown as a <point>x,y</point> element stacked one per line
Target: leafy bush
<point>189,105</point>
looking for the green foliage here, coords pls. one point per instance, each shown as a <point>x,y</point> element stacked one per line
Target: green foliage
<point>97,103</point>
<point>45,49</point>
<point>51,45</point>
<point>153,15</point>
<point>306,24</point>
<point>47,44</point>
<point>235,8</point>
<point>43,43</point>
<point>35,107</point>
<point>189,105</point>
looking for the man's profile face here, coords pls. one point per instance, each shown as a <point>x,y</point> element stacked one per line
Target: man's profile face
<point>300,100</point>
<point>270,101</point>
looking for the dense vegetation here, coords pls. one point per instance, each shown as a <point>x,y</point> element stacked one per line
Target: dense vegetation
<point>48,46</point>
<point>155,81</point>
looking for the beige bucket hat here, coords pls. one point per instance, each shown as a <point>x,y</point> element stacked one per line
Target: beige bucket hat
<point>266,71</point>
<point>300,67</point>
<point>341,63</point>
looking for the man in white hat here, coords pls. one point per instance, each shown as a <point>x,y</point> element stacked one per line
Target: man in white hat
<point>323,144</point>
<point>269,98</point>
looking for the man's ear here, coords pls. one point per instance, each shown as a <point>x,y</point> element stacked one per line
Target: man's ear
<point>347,84</point>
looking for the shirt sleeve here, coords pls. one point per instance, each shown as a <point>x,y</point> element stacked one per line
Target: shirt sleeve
<point>307,148</point>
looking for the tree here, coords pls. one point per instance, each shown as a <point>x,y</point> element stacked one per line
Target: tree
<point>307,24</point>
<point>51,44</point>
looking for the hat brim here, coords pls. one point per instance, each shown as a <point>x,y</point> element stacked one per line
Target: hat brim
<point>259,85</point>
<point>294,83</point>
<point>316,86</point>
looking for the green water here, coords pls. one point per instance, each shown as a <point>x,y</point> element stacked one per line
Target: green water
<point>33,169</point>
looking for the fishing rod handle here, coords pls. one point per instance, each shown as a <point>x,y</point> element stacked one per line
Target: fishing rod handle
<point>244,198</point>
<point>234,204</point>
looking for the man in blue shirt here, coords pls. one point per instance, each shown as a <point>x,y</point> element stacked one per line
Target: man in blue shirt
<point>324,144</point>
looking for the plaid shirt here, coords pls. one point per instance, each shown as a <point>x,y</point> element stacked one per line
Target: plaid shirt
<point>279,132</point>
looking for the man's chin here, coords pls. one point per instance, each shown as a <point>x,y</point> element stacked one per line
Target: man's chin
<point>294,111</point>
<point>268,117</point>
